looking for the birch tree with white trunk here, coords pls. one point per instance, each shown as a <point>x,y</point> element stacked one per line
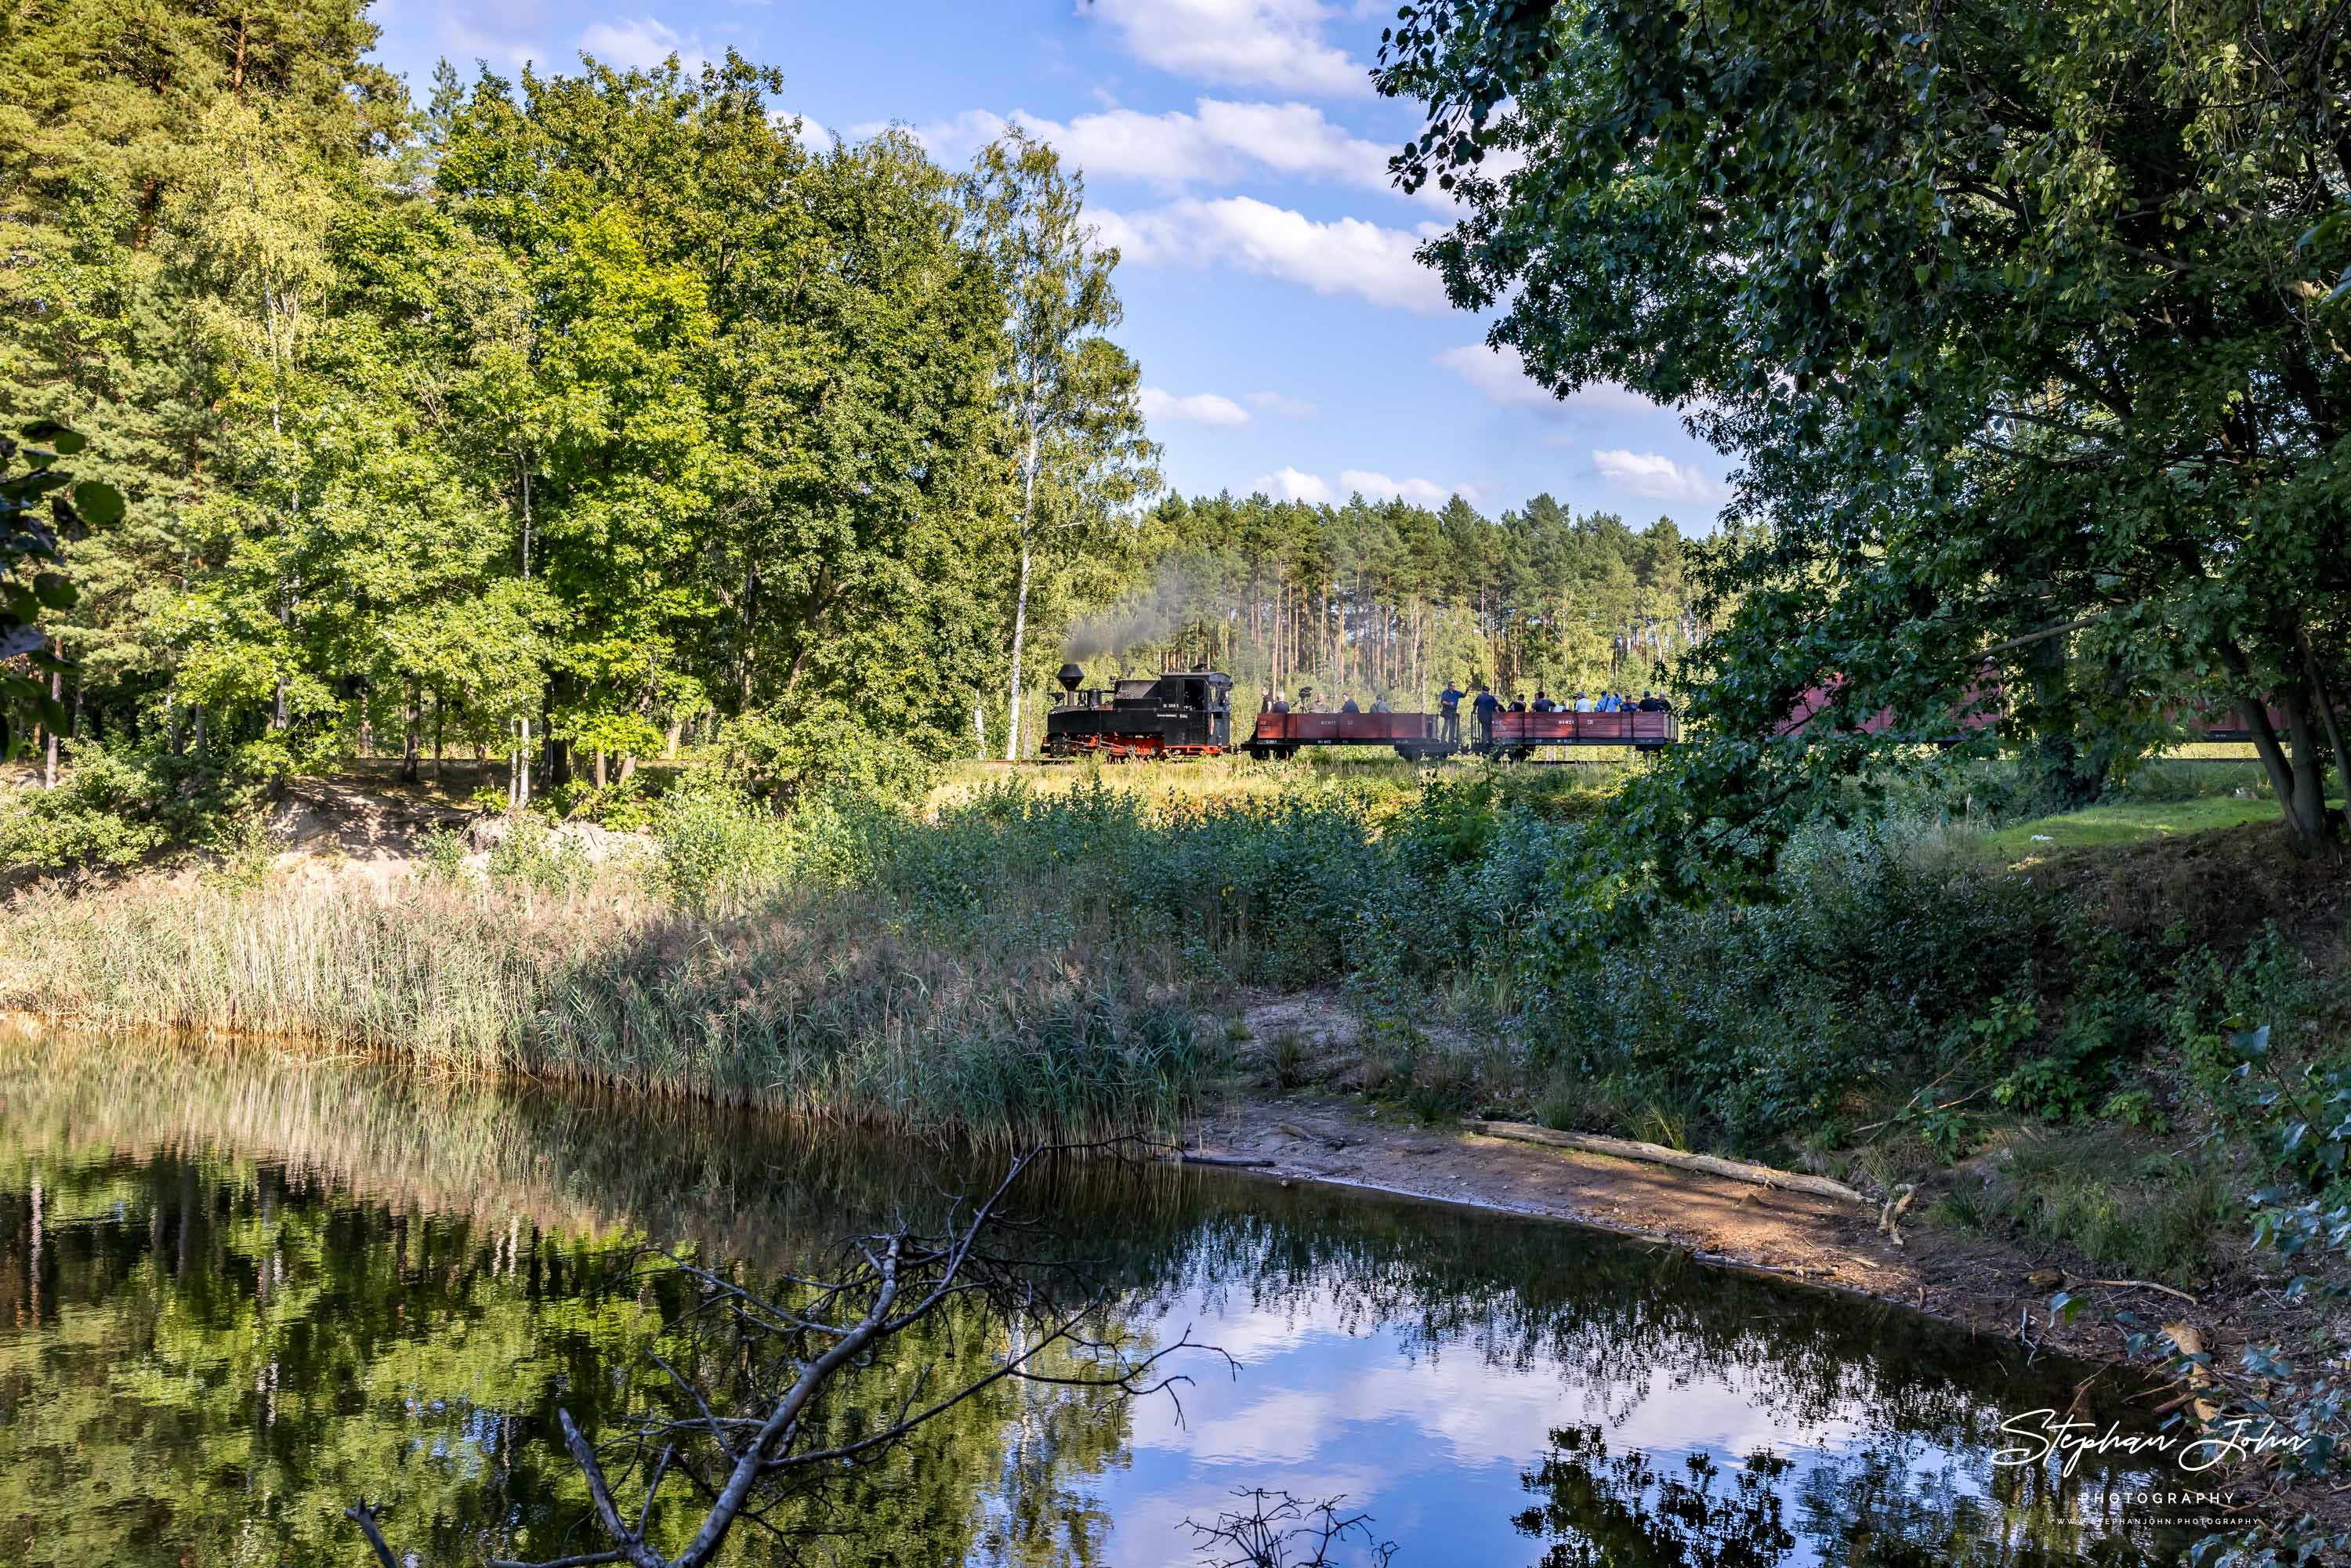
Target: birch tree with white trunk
<point>1074,421</point>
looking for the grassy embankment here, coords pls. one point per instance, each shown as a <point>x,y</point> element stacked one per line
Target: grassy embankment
<point>2041,1018</point>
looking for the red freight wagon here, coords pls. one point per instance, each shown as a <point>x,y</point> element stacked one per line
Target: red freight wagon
<point>1415,734</point>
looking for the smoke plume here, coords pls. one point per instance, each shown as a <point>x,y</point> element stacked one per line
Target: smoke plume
<point>1152,614</point>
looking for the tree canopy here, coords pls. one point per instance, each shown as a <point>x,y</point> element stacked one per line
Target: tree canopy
<point>558,417</point>
<point>2022,318</point>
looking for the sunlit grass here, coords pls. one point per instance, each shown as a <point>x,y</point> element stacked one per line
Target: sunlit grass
<point>2115,826</point>
<point>1385,780</point>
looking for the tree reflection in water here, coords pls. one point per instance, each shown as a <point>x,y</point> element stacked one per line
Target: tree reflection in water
<point>1888,1506</point>
<point>238,1293</point>
<point>1628,1511</point>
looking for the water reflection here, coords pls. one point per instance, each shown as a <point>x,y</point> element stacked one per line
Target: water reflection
<point>235,1294</point>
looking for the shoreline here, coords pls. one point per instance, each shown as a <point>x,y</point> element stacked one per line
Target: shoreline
<point>1981,1284</point>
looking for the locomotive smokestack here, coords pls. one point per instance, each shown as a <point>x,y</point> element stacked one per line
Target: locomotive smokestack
<point>1070,678</point>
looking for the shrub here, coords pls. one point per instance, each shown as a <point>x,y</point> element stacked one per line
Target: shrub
<point>720,851</point>
<point>2151,1216</point>
<point>533,858</point>
<point>442,862</point>
<point>115,808</point>
<point>1857,977</point>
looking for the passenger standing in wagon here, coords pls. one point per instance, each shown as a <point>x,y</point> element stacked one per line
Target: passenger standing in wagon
<point>1449,712</point>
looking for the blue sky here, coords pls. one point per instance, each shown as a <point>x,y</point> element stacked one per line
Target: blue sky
<point>1235,151</point>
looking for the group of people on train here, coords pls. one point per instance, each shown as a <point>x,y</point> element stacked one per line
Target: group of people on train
<point>1485,704</point>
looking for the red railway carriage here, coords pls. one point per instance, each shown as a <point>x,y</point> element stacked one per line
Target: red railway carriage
<point>1416,734</point>
<point>1279,734</point>
<point>1641,729</point>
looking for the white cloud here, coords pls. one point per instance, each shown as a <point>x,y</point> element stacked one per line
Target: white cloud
<point>1277,403</point>
<point>1654,477</point>
<point>1292,485</point>
<point>507,35</point>
<point>1199,408</point>
<point>812,135</point>
<point>1289,485</point>
<point>1500,374</point>
<point>643,42</point>
<point>1113,232</point>
<point>1380,487</point>
<point>1217,143</point>
<point>1345,256</point>
<point>1276,44</point>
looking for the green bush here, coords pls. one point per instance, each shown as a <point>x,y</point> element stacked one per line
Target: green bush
<point>444,859</point>
<point>532,857</point>
<point>720,850</point>
<point>1859,977</point>
<point>113,809</point>
<point>2150,1216</point>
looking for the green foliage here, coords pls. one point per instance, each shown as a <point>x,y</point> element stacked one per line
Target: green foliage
<point>113,809</point>
<point>39,506</point>
<point>2149,1216</point>
<point>1948,286</point>
<point>96,817</point>
<point>532,857</point>
<point>443,860</point>
<point>1387,598</point>
<point>720,849</point>
<point>1862,973</point>
<point>1068,398</point>
<point>572,413</point>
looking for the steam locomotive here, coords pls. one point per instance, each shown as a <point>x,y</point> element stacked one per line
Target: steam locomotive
<point>1178,712</point>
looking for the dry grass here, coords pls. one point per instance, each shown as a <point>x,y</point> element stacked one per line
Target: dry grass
<point>818,1004</point>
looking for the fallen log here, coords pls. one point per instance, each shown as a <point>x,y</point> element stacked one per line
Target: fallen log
<point>1245,1162</point>
<point>1658,1154</point>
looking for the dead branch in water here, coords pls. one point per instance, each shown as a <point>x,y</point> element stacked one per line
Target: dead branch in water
<point>1658,1154</point>
<point>1282,1531</point>
<point>749,1428</point>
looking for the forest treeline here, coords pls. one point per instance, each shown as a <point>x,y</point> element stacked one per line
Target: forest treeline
<point>1393,600</point>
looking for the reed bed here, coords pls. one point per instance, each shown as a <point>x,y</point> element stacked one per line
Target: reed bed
<point>1021,962</point>
<point>821,1003</point>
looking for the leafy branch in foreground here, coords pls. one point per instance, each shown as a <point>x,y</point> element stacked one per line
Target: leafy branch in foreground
<point>749,1427</point>
<point>1280,1529</point>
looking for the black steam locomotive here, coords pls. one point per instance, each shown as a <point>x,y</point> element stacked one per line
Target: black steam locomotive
<point>1178,712</point>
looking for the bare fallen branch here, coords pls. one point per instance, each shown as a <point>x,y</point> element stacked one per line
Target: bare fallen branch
<point>1658,1154</point>
<point>1280,1529</point>
<point>365,1514</point>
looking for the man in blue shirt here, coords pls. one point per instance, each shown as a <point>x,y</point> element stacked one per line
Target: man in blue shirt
<point>1485,705</point>
<point>1448,713</point>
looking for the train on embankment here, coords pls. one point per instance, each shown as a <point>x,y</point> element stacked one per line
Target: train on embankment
<point>1188,712</point>
<point>1182,713</point>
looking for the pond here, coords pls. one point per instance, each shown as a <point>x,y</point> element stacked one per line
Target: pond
<point>238,1293</point>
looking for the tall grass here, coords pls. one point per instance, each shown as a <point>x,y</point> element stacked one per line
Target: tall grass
<point>1018,960</point>
<point>820,1003</point>
<point>1022,960</point>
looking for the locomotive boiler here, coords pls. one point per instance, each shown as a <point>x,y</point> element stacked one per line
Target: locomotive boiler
<point>1177,713</point>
